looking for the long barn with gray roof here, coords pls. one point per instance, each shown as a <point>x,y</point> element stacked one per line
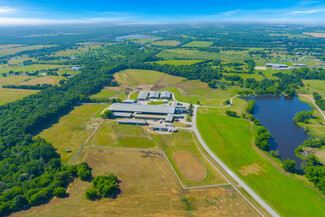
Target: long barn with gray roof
<point>144,109</point>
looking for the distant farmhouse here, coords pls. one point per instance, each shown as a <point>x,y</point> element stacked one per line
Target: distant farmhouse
<point>76,68</point>
<point>299,64</point>
<point>277,66</point>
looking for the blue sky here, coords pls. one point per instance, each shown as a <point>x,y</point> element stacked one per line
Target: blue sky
<point>166,11</point>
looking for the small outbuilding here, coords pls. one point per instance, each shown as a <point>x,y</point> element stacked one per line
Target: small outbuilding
<point>159,128</point>
<point>154,95</point>
<point>143,95</point>
<point>132,122</point>
<point>165,95</point>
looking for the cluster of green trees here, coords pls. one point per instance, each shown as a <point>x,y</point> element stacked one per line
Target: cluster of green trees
<point>31,168</point>
<point>231,113</point>
<point>262,138</point>
<point>28,87</point>
<point>108,114</point>
<point>313,168</point>
<point>303,116</point>
<point>250,107</point>
<point>319,101</point>
<point>103,186</point>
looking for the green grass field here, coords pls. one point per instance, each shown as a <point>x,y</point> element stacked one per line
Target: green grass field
<point>73,129</point>
<point>231,140</point>
<point>177,62</point>
<point>106,93</point>
<point>198,44</point>
<point>135,77</point>
<point>134,95</point>
<point>156,103</point>
<point>30,68</point>
<point>167,43</point>
<point>172,54</point>
<point>315,86</point>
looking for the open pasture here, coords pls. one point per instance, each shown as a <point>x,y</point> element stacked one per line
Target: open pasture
<point>198,44</point>
<point>166,43</point>
<point>73,129</point>
<point>315,86</point>
<point>191,54</point>
<point>11,95</point>
<point>177,62</point>
<point>12,50</point>
<point>148,188</point>
<point>29,68</point>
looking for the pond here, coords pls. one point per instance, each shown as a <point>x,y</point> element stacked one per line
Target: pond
<point>276,113</point>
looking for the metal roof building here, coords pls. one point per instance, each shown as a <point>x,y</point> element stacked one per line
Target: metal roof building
<point>132,122</point>
<point>143,95</point>
<point>166,95</point>
<point>122,114</point>
<point>275,65</point>
<point>159,128</point>
<point>146,109</point>
<point>154,95</point>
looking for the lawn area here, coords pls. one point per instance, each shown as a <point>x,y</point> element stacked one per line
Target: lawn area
<point>167,43</point>
<point>198,44</point>
<point>177,62</point>
<point>231,140</point>
<point>73,129</point>
<point>10,95</point>
<point>134,95</point>
<point>107,93</point>
<point>148,188</point>
<point>184,141</point>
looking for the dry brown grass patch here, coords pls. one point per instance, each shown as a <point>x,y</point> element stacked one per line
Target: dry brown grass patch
<point>254,168</point>
<point>190,167</point>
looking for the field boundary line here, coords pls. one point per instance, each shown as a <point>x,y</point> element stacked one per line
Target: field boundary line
<point>122,148</point>
<point>83,145</point>
<point>207,186</point>
<point>97,111</point>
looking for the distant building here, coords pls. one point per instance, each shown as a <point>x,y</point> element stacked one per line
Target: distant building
<point>76,68</point>
<point>299,64</point>
<point>132,122</point>
<point>143,95</point>
<point>154,95</point>
<point>181,109</point>
<point>276,66</point>
<point>122,114</point>
<point>142,109</point>
<point>165,95</point>
<point>169,118</point>
<point>129,101</point>
<point>159,128</point>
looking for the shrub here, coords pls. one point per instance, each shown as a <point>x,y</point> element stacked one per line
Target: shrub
<point>59,192</point>
<point>231,113</point>
<point>289,165</point>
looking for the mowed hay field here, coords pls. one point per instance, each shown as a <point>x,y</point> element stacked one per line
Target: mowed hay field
<point>315,34</point>
<point>10,95</point>
<point>148,188</point>
<point>231,140</point>
<point>73,129</point>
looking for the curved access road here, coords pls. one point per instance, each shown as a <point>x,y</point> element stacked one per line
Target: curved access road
<point>233,175</point>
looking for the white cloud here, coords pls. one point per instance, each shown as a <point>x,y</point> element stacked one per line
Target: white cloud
<point>309,11</point>
<point>7,10</point>
<point>228,13</point>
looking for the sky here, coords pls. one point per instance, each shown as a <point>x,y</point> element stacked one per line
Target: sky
<point>22,12</point>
